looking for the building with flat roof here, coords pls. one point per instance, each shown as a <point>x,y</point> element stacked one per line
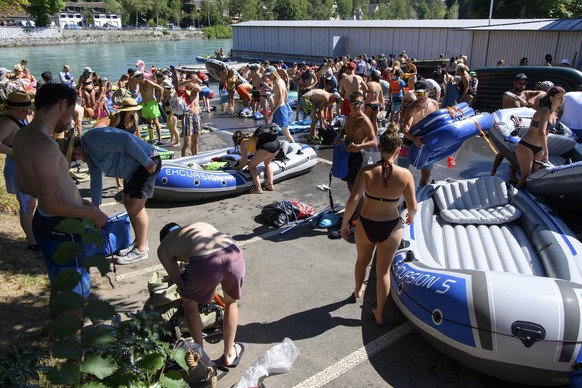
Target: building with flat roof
<point>484,41</point>
<point>78,14</point>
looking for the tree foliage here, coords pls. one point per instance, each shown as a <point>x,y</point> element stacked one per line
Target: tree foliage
<point>42,9</point>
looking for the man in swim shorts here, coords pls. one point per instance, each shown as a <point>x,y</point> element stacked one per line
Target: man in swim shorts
<point>210,258</point>
<point>315,103</point>
<point>189,90</point>
<point>359,135</point>
<point>350,84</point>
<point>280,110</point>
<point>414,113</point>
<point>121,154</point>
<point>151,96</point>
<point>42,171</point>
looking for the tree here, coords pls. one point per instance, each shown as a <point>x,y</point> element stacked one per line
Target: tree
<point>136,7</point>
<point>452,11</point>
<point>42,9</point>
<point>344,9</point>
<point>291,10</point>
<point>321,10</point>
<point>12,6</point>
<point>174,11</point>
<point>251,10</point>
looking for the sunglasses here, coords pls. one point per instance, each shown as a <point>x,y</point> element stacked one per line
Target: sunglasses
<point>357,102</point>
<point>419,93</point>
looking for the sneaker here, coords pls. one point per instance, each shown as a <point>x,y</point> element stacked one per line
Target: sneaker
<point>132,257</point>
<point>125,251</point>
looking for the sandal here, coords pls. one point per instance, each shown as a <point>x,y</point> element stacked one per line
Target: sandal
<point>256,191</point>
<point>268,187</point>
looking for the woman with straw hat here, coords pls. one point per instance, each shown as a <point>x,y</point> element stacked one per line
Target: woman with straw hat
<point>17,107</point>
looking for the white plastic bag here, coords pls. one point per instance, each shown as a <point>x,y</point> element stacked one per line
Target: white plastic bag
<point>277,360</point>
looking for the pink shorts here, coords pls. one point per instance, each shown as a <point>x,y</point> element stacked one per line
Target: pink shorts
<point>203,273</point>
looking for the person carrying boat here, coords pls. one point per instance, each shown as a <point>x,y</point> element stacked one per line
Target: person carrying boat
<point>533,145</point>
<point>414,113</point>
<point>188,90</point>
<point>263,150</point>
<point>210,258</point>
<point>379,224</point>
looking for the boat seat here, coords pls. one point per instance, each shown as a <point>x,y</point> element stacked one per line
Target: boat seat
<point>475,201</point>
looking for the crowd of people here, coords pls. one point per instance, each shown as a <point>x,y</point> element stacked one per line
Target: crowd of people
<point>358,88</point>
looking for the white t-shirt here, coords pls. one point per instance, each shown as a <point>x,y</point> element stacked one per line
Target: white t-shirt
<point>571,112</point>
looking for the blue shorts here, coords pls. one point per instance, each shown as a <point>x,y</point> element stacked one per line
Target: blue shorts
<point>396,104</point>
<point>191,124</point>
<point>205,92</point>
<point>49,239</point>
<point>281,116</point>
<point>12,185</point>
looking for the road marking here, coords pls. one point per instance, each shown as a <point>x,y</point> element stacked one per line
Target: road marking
<point>364,353</point>
<point>110,204</point>
<point>325,161</point>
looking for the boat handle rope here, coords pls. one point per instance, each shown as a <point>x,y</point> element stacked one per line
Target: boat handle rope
<point>483,135</point>
<point>452,111</point>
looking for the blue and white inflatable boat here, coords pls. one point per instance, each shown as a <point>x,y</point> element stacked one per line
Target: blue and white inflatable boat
<point>184,179</point>
<point>563,176</point>
<point>444,131</point>
<point>493,280</point>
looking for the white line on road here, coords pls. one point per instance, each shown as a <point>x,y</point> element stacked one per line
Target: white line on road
<point>325,161</point>
<point>110,204</point>
<point>351,361</point>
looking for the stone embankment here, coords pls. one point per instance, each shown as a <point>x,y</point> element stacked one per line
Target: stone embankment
<point>17,37</point>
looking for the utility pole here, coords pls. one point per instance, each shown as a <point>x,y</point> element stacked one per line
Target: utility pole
<point>490,12</point>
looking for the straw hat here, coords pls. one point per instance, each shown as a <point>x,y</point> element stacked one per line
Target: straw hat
<point>129,104</point>
<point>19,101</point>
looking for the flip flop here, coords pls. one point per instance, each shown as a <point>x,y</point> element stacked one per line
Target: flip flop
<point>220,361</point>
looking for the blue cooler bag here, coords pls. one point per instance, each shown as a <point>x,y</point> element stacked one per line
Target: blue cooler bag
<point>119,233</point>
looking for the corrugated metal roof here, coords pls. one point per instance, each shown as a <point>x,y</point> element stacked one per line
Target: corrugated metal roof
<point>457,23</point>
<point>535,25</point>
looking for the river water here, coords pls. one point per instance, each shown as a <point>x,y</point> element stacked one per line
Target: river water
<point>110,60</point>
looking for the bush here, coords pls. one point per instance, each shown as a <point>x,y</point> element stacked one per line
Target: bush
<point>218,32</point>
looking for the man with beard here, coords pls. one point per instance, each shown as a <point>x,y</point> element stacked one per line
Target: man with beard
<point>42,171</point>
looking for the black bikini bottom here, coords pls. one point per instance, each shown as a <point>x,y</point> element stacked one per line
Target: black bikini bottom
<point>378,231</point>
<point>533,148</point>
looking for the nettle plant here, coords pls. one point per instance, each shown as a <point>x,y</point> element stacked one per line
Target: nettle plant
<point>111,351</point>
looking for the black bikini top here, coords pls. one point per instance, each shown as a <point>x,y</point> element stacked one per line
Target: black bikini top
<point>386,173</point>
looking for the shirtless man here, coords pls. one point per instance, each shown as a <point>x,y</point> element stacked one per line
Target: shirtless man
<point>416,111</point>
<point>306,80</point>
<point>42,171</point>
<point>359,135</point>
<point>255,79</point>
<point>188,91</point>
<point>280,110</point>
<point>350,84</point>
<point>210,257</point>
<point>17,106</point>
<point>151,96</point>
<point>374,99</point>
<point>315,102</point>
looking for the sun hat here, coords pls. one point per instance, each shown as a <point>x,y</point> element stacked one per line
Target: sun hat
<point>18,100</point>
<point>129,104</point>
<point>270,70</point>
<point>420,86</point>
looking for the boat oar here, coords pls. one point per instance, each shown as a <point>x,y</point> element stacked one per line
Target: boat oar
<point>304,220</point>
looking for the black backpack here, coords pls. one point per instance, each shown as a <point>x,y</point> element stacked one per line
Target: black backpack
<point>279,214</point>
<point>327,134</point>
<point>267,133</point>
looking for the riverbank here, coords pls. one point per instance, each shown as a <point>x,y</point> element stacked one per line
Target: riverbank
<point>26,37</point>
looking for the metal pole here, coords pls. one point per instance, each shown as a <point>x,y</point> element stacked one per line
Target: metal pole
<point>490,12</point>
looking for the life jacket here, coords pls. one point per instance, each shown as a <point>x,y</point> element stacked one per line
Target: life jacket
<point>395,86</point>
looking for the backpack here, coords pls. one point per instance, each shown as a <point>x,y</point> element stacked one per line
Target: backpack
<point>201,370</point>
<point>118,235</point>
<point>267,133</point>
<point>282,213</point>
<point>340,167</point>
<point>327,134</point>
<point>178,105</point>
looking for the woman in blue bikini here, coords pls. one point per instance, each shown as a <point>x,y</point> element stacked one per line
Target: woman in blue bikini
<point>379,224</point>
<point>533,145</point>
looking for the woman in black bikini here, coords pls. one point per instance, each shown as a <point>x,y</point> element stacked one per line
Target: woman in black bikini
<point>374,99</point>
<point>379,224</point>
<point>534,143</point>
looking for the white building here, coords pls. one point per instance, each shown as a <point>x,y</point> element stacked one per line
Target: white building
<point>74,13</point>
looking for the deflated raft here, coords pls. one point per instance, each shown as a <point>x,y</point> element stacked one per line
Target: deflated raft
<point>564,176</point>
<point>182,179</point>
<point>493,280</point>
<point>444,131</point>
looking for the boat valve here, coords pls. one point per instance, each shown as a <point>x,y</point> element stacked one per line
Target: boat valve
<point>528,332</point>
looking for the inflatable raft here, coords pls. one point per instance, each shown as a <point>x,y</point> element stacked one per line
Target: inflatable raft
<point>218,69</point>
<point>183,179</point>
<point>444,131</point>
<point>564,176</point>
<point>493,280</point>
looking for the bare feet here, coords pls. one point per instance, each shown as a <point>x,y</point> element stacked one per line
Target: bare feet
<point>256,191</point>
<point>378,321</point>
<point>360,293</point>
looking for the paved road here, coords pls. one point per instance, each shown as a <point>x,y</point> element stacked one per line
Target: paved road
<point>297,285</point>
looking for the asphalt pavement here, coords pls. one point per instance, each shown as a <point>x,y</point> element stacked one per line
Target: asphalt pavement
<point>298,284</point>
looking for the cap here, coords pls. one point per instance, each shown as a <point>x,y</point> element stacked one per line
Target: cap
<point>159,74</point>
<point>328,74</point>
<point>303,63</point>
<point>565,61</point>
<point>520,77</point>
<point>253,67</point>
<point>167,229</point>
<point>166,84</point>
<point>472,74</point>
<point>137,74</point>
<point>337,96</point>
<point>270,70</point>
<point>88,70</point>
<point>352,65</point>
<point>129,104</point>
<point>421,86</point>
<point>545,85</point>
<point>19,101</point>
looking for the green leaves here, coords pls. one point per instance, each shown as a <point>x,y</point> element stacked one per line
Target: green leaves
<point>67,374</point>
<point>66,280</point>
<point>97,336</point>
<point>66,252</point>
<point>99,262</point>
<point>66,301</point>
<point>152,362</point>
<point>99,367</point>
<point>179,356</point>
<point>66,348</point>
<point>71,226</point>
<point>99,310</point>
<point>172,379</point>
<point>65,325</point>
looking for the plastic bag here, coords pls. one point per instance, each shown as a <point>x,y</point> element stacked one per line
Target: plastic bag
<point>277,360</point>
